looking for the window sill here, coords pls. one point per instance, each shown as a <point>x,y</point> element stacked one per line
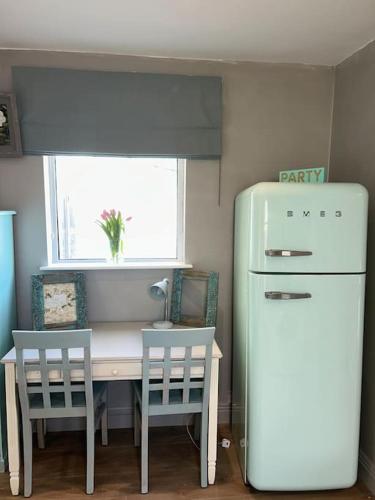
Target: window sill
<point>106,266</point>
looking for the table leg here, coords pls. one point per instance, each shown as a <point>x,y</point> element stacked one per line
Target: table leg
<point>12,427</point>
<point>212,421</point>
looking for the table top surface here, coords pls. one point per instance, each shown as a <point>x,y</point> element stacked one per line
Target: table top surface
<point>114,341</point>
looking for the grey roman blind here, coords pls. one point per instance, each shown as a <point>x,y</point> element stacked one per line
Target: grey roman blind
<point>65,111</point>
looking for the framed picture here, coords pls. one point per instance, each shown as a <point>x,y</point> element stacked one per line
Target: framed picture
<point>194,298</point>
<point>59,301</point>
<point>10,139</point>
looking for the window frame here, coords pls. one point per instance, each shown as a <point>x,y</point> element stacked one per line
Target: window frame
<point>52,233</point>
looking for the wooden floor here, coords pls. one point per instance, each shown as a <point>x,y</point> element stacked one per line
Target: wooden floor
<point>59,471</point>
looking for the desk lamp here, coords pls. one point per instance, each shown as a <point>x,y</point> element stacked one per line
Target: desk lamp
<point>159,291</point>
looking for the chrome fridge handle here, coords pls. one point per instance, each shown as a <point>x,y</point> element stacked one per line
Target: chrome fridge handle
<point>286,295</point>
<point>287,253</point>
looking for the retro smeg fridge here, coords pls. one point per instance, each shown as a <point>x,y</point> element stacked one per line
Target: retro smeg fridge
<point>299,281</point>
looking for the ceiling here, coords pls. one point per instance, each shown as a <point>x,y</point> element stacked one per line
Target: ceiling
<point>302,31</point>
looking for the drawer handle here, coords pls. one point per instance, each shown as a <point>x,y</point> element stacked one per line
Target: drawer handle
<point>114,372</point>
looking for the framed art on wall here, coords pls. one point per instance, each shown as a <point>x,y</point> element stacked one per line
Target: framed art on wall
<point>10,139</point>
<point>194,298</point>
<point>59,301</point>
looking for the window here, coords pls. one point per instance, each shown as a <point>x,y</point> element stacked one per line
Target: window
<point>149,190</point>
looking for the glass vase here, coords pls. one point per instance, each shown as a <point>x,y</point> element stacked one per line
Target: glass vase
<point>115,251</point>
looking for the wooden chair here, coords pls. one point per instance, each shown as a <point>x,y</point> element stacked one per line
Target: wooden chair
<point>179,391</point>
<point>42,398</point>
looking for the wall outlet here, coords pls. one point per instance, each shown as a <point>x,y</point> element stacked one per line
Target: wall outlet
<point>225,443</point>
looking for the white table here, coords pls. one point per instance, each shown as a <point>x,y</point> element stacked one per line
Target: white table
<point>116,355</point>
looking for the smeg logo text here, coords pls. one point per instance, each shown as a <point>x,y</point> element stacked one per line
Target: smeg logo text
<point>308,213</point>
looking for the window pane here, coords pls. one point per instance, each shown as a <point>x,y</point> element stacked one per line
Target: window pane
<point>142,188</point>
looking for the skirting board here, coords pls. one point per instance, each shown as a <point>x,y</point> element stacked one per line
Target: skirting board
<point>366,471</point>
<point>122,418</point>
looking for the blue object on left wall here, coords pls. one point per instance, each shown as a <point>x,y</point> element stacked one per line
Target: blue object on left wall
<point>8,318</point>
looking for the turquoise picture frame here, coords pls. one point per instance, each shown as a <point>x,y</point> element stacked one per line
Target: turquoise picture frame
<point>209,315</point>
<point>70,289</point>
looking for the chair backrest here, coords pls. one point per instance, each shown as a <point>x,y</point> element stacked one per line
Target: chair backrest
<point>42,364</point>
<point>187,364</point>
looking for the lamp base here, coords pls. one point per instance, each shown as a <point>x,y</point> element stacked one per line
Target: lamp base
<point>162,325</point>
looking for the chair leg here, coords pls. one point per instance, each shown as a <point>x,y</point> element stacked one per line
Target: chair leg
<point>144,454</point>
<point>136,423</point>
<point>197,426</point>
<point>104,427</point>
<point>40,425</point>
<point>104,420</point>
<point>27,456</point>
<point>203,448</point>
<point>90,450</point>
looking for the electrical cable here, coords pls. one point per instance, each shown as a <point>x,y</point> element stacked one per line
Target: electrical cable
<point>191,437</point>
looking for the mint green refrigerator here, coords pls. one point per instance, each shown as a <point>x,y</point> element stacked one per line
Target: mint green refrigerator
<point>299,289</point>
<point>7,314</point>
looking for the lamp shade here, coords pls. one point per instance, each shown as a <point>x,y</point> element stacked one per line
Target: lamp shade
<point>159,290</point>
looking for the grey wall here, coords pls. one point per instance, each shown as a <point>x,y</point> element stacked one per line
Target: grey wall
<point>276,116</point>
<point>353,160</point>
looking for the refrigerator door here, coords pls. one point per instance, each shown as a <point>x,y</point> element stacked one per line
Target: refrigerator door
<point>316,228</point>
<point>304,376</point>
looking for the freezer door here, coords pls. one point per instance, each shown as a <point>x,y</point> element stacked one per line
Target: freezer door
<point>304,376</point>
<point>307,228</point>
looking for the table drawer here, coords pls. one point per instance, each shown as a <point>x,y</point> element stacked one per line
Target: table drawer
<point>128,371</point>
<point>116,371</point>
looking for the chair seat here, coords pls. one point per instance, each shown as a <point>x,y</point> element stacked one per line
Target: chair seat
<point>175,395</point>
<point>58,398</point>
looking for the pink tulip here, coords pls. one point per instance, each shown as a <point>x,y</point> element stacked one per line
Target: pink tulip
<point>104,215</point>
<point>113,212</point>
<point>128,219</point>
